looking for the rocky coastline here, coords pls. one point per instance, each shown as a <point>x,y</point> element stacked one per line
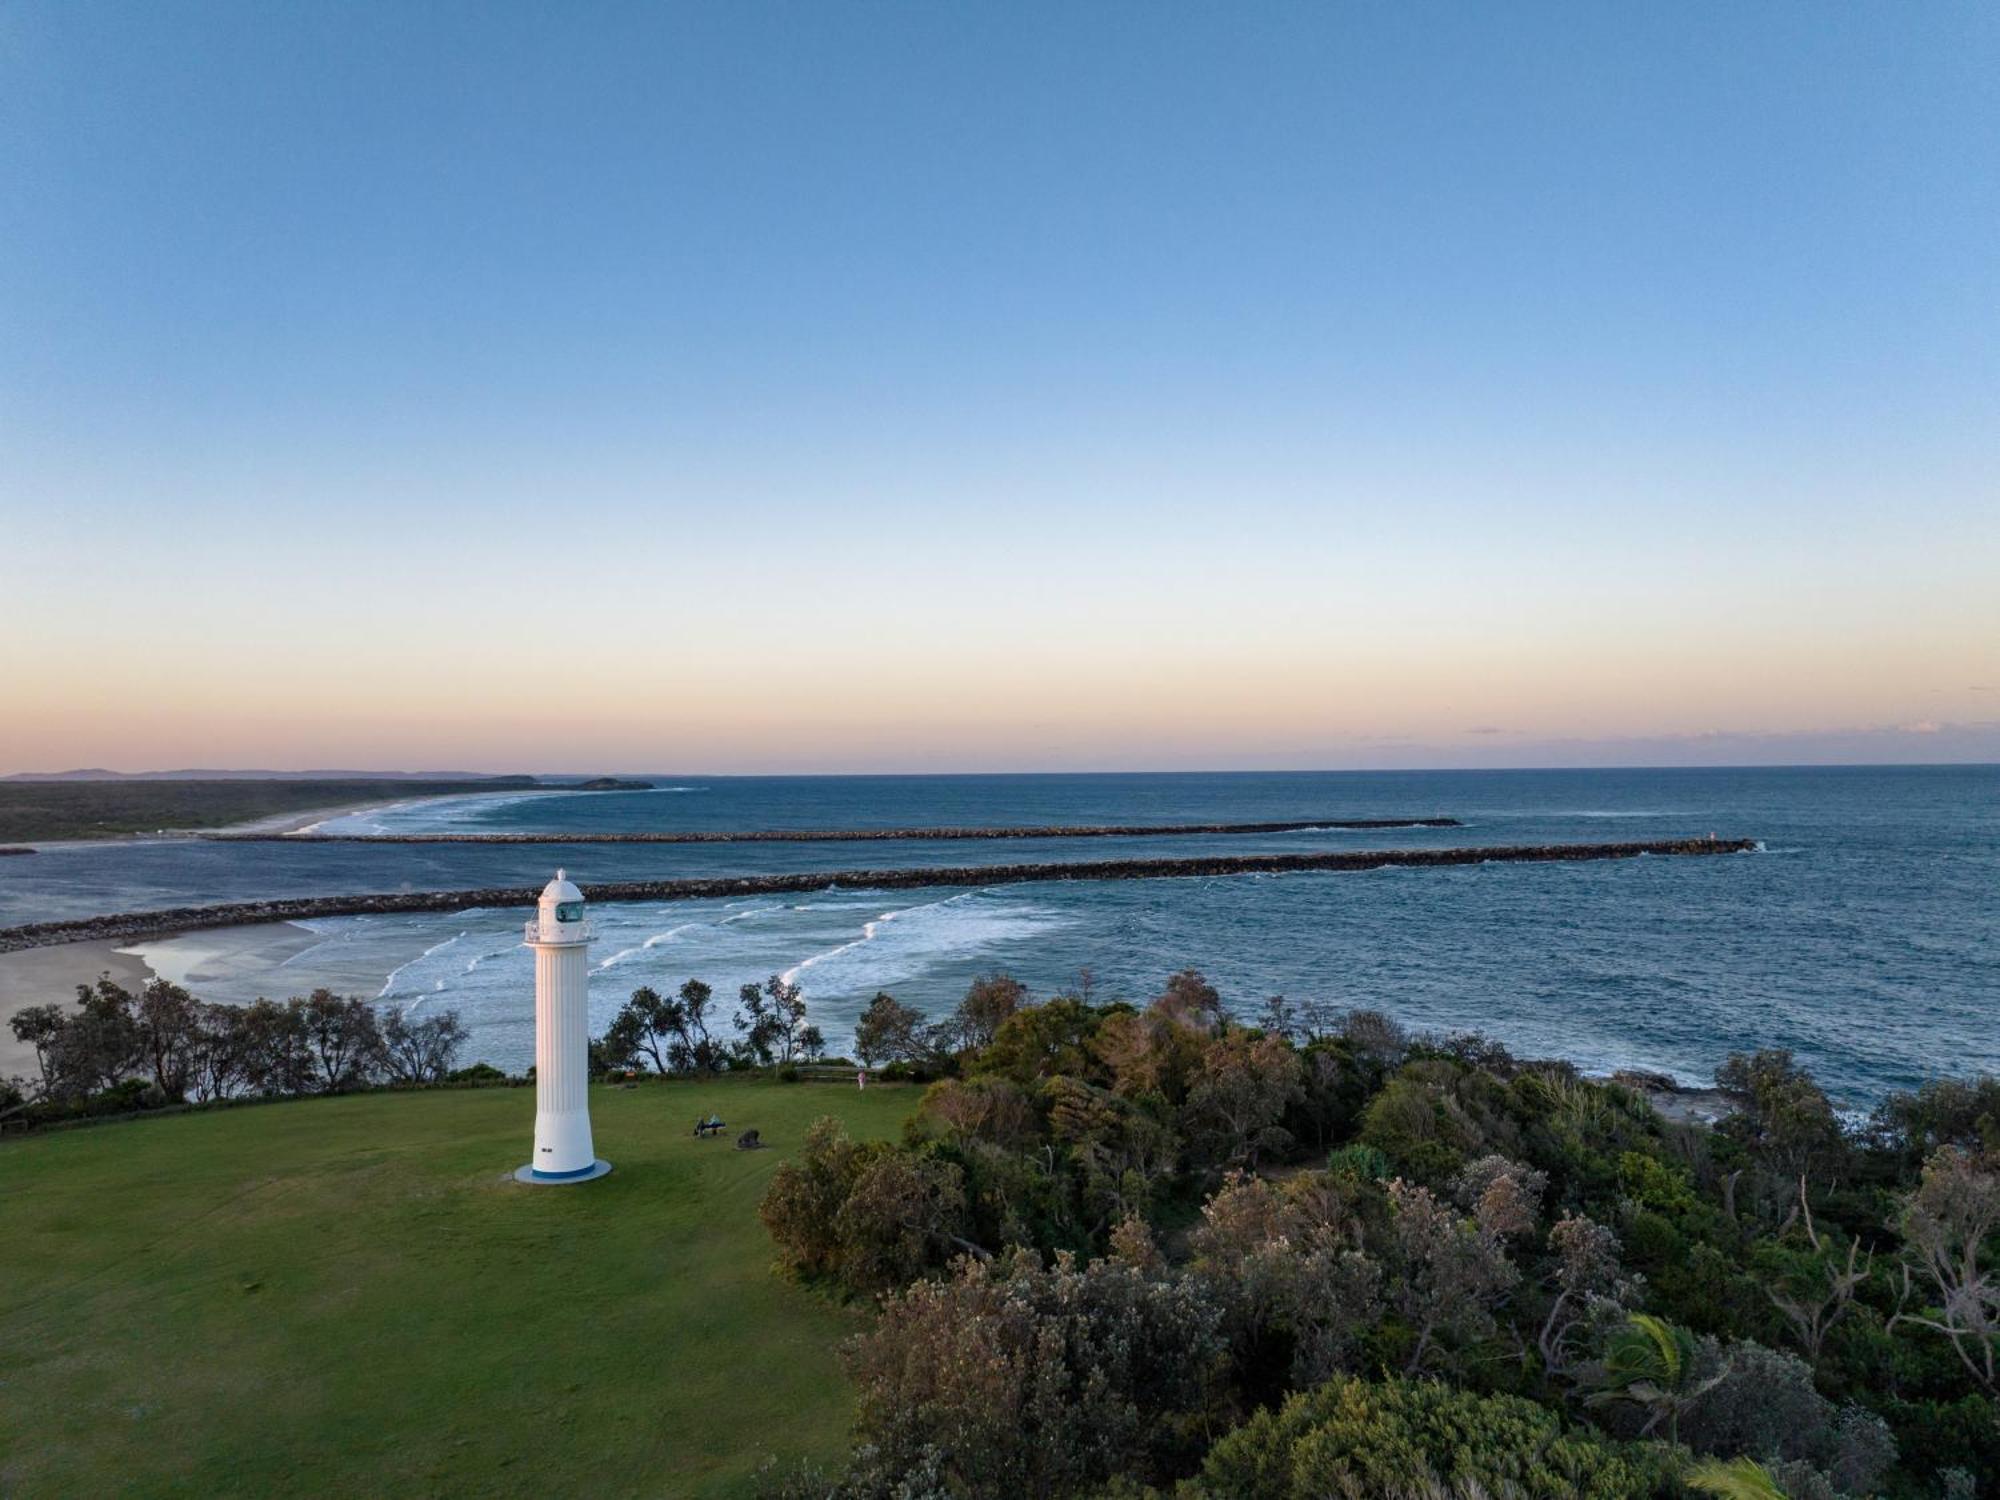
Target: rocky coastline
<point>125,926</point>
<point>842,835</point>
<point>1682,1103</point>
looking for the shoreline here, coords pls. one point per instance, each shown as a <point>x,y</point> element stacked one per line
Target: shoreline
<point>288,825</point>
<point>246,957</point>
<point>44,976</point>
<point>221,965</point>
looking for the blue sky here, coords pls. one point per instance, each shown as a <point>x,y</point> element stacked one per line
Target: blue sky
<point>934,386</point>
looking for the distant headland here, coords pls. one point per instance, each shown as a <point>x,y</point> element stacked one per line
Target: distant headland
<point>105,804</point>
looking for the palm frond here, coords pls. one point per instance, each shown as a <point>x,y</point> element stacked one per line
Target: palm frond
<point>1734,1479</point>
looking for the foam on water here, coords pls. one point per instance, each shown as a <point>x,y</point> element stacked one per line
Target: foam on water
<point>841,952</point>
<point>474,810</point>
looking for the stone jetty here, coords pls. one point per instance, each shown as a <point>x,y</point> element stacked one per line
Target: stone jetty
<point>843,835</point>
<point>128,925</point>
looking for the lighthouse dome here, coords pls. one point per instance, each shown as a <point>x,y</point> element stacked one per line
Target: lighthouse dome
<point>559,914</point>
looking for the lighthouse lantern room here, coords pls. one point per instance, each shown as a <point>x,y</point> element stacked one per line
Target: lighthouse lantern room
<point>560,935</point>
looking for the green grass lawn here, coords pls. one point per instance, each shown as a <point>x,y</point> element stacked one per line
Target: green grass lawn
<point>352,1296</point>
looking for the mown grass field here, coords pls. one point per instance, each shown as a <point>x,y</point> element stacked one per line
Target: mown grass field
<point>351,1296</point>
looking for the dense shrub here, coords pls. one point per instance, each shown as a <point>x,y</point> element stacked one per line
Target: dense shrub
<point>1372,1440</point>
<point>1804,1308</point>
<point>1764,1405</point>
<point>869,1217</point>
<point>1012,1379</point>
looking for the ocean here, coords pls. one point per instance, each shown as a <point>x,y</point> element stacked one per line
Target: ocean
<point>1864,936</point>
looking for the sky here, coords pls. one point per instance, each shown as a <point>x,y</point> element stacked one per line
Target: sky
<point>930,386</point>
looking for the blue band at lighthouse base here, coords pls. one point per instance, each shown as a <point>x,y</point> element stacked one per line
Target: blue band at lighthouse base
<point>538,1178</point>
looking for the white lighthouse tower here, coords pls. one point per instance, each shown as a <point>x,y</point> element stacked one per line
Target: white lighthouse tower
<point>560,937</point>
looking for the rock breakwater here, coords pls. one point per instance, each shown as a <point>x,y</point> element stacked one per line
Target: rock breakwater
<point>124,926</point>
<point>847,835</point>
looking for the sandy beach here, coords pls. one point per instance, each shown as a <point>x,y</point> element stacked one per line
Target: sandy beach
<point>225,965</point>
<point>267,960</point>
<point>37,976</point>
<point>298,822</point>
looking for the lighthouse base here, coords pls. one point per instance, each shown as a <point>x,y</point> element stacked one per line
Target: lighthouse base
<point>529,1175</point>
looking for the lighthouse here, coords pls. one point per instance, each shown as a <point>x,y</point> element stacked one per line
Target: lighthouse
<point>561,937</point>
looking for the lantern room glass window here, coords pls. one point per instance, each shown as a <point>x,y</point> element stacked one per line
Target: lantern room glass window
<point>569,911</point>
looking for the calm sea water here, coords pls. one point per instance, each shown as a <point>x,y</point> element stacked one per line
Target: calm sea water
<point>1866,936</point>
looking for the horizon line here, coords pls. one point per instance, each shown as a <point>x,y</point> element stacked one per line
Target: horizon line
<point>87,774</point>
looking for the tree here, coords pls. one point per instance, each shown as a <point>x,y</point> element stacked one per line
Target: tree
<point>41,1027</point>
<point>622,1043</point>
<point>770,1018</point>
<point>1587,1278</point>
<point>221,1055</point>
<point>1244,1085</point>
<point>758,1025</point>
<point>275,1055</point>
<point>421,1051</point>
<point>1375,1038</point>
<point>904,1214</point>
<point>1504,1196</point>
<point>788,1004</point>
<point>1452,1272</point>
<point>1962,1112</point>
<point>343,1040</point>
<point>869,1216</point>
<point>1285,1265</point>
<point>694,1048</point>
<point>168,1020</point>
<point>805,1196</point>
<point>1817,1291</point>
<point>992,1110</point>
<point>1039,1041</point>
<point>1419,1123</point>
<point>1280,1017</point>
<point>1948,1227</point>
<point>98,1045</point>
<point>988,1004</point>
<point>1150,1052</point>
<point>1122,1152</point>
<point>646,1026</point>
<point>1336,1088</point>
<point>1782,1116</point>
<point>888,1031</point>
<point>1656,1366</point>
<point>1191,1000</point>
